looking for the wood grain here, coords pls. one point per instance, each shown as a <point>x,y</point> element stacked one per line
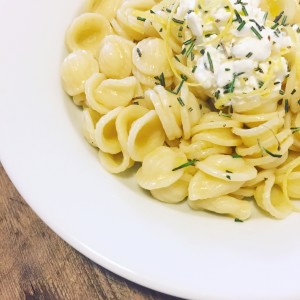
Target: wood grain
<point>36,264</point>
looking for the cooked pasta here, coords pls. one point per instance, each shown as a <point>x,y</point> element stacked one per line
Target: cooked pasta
<point>204,96</point>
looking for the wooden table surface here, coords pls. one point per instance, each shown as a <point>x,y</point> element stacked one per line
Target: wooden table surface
<point>36,264</point>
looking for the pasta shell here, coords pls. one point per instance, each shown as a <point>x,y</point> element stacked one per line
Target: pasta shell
<point>115,57</point>
<point>112,93</point>
<point>227,168</point>
<point>150,58</point>
<point>203,186</point>
<point>106,133</point>
<point>107,8</point>
<point>115,163</point>
<point>90,119</point>
<point>125,120</point>
<point>76,69</point>
<point>174,193</point>
<point>271,199</point>
<point>87,31</point>
<point>146,134</point>
<point>225,205</point>
<point>92,98</point>
<point>157,168</point>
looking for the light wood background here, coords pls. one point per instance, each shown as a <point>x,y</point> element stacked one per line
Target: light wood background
<point>36,264</point>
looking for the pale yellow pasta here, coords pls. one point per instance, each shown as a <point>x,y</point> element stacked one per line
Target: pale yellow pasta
<point>87,31</point>
<point>199,149</point>
<point>150,58</point>
<point>92,98</point>
<point>115,163</point>
<point>107,8</point>
<point>104,94</point>
<point>150,61</point>
<point>204,186</point>
<point>168,120</point>
<point>125,120</point>
<point>80,99</point>
<point>76,69</point>
<point>226,205</point>
<point>227,168</point>
<point>146,134</point>
<point>90,119</point>
<point>174,193</point>
<point>127,18</point>
<point>106,135</point>
<point>115,57</point>
<point>203,95</point>
<point>112,93</point>
<point>287,177</point>
<point>270,198</point>
<point>157,168</point>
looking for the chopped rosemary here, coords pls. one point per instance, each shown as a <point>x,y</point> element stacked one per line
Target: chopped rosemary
<point>293,91</point>
<point>238,16</point>
<point>286,105</point>
<point>190,49</point>
<point>244,10</point>
<point>180,101</point>
<point>139,52</point>
<point>283,22</point>
<point>237,220</point>
<point>295,129</point>
<point>241,26</point>
<point>187,164</point>
<point>225,115</point>
<point>152,12</point>
<point>228,177</point>
<point>187,42</point>
<point>272,154</point>
<point>260,28</point>
<point>236,156</point>
<point>275,26</point>
<point>249,54</point>
<point>194,69</point>
<point>177,21</point>
<point>263,149</point>
<point>254,30</point>
<point>260,84</point>
<point>281,92</point>
<point>141,19</point>
<point>161,79</point>
<point>276,20</point>
<point>177,58</point>
<point>265,17</point>
<point>211,66</point>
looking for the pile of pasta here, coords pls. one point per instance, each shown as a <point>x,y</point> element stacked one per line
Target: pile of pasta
<point>142,104</point>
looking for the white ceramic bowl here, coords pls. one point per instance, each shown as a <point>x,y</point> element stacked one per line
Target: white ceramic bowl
<point>168,248</point>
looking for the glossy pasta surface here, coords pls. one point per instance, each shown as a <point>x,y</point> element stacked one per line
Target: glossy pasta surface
<point>203,95</point>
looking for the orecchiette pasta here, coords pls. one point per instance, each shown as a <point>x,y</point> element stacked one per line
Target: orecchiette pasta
<point>202,95</point>
<point>87,31</point>
<point>115,57</point>
<point>76,69</point>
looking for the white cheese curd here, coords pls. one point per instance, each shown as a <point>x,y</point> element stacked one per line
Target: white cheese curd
<point>184,7</point>
<point>221,15</point>
<point>195,24</point>
<point>260,49</point>
<point>240,61</point>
